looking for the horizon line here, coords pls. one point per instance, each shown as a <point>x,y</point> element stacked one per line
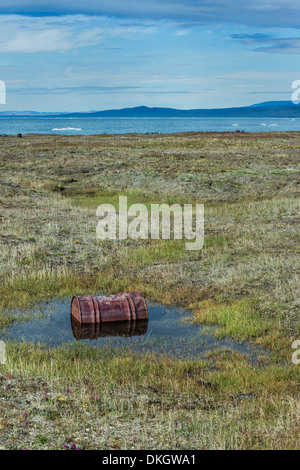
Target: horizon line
<point>152,107</point>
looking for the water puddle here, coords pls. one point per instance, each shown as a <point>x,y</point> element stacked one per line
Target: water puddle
<point>165,332</point>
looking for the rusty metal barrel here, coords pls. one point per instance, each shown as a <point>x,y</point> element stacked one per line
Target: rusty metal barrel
<point>116,328</point>
<point>125,306</point>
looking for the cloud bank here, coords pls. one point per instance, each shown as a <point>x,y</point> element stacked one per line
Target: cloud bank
<point>253,12</point>
<point>270,44</point>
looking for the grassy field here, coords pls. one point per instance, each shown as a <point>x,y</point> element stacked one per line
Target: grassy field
<point>245,280</point>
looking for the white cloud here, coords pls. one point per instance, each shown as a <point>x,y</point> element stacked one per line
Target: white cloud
<point>182,32</point>
<point>21,34</point>
<point>29,35</point>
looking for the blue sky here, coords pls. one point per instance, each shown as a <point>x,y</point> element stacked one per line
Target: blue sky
<point>66,56</point>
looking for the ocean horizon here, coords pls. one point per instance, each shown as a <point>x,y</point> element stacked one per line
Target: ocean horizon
<point>141,125</point>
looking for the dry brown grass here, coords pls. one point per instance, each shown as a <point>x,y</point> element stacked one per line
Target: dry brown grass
<point>245,280</point>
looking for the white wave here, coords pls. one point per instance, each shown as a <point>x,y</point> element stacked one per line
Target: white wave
<point>263,124</point>
<point>273,125</point>
<point>235,125</point>
<point>67,129</point>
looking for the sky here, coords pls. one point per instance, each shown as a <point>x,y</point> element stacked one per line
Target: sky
<point>63,55</point>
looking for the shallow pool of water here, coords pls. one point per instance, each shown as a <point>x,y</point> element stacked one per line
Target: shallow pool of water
<point>166,332</point>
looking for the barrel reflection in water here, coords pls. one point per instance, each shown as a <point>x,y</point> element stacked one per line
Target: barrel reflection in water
<point>97,330</point>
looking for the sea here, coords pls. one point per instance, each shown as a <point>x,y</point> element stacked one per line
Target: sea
<point>105,125</point>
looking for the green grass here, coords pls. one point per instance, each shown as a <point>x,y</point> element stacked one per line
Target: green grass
<point>239,319</point>
<point>157,251</point>
<point>245,281</point>
<point>23,292</point>
<point>92,198</point>
<point>96,398</point>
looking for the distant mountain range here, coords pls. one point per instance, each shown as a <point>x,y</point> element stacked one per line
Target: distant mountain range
<point>280,109</point>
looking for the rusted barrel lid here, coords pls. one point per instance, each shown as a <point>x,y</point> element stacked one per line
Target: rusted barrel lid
<point>97,330</point>
<point>125,306</point>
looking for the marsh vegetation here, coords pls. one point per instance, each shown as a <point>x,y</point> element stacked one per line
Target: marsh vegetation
<point>245,280</point>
